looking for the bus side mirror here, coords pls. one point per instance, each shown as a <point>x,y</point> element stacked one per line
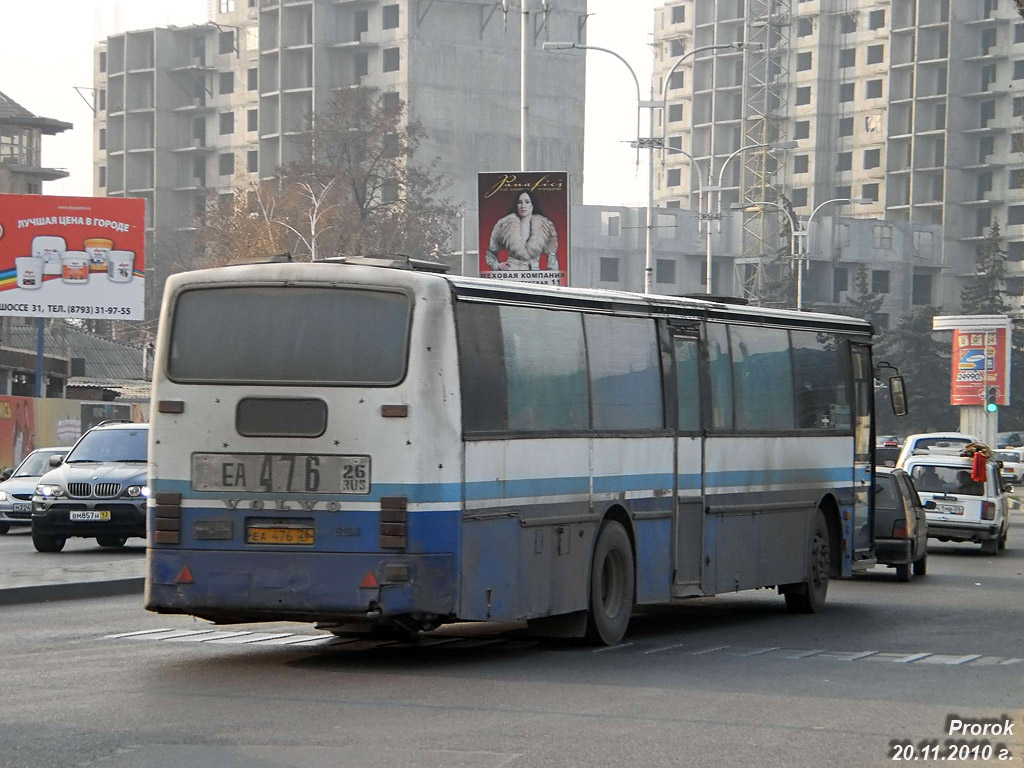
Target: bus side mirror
<point>898,396</point>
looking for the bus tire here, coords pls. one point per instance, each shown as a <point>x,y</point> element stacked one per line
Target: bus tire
<point>612,579</point>
<point>809,597</point>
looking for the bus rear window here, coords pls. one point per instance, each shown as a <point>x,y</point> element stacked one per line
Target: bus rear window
<point>289,335</point>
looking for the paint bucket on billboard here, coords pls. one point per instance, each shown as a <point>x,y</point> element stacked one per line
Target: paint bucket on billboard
<point>120,265</point>
<point>29,271</point>
<point>49,248</point>
<point>74,267</point>
<point>97,248</point>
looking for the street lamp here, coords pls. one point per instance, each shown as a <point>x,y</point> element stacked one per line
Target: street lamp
<point>652,143</point>
<point>799,232</point>
<point>778,145</point>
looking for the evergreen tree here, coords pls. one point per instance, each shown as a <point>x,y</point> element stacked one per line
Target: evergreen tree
<point>924,362</point>
<point>984,293</point>
<point>864,303</point>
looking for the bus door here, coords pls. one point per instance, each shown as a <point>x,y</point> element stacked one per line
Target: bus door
<point>863,442</point>
<point>688,521</point>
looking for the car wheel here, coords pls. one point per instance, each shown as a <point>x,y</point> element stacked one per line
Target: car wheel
<point>809,597</point>
<point>990,547</point>
<point>903,572</point>
<point>4,528</point>
<point>921,565</point>
<point>1003,535</point>
<point>44,542</point>
<point>111,541</point>
<point>612,579</point>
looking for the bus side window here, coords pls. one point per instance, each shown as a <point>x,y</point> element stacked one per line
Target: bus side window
<point>687,384</point>
<point>720,376</point>
<point>822,401</point>
<point>762,378</point>
<point>625,372</point>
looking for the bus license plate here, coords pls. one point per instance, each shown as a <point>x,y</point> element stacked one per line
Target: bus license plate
<point>90,515</point>
<point>280,473</point>
<point>273,535</point>
<point>950,509</point>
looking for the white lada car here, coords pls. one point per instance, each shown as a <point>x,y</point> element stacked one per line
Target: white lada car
<point>965,509</point>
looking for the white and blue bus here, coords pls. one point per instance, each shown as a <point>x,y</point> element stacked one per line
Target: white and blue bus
<point>367,443</point>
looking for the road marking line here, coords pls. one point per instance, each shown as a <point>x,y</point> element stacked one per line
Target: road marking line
<point>167,635</point>
<point>947,659</point>
<point>206,637</point>
<point>794,654</point>
<point>759,651</point>
<point>255,637</point>
<point>711,650</point>
<point>896,658</point>
<point>845,655</point>
<point>666,648</point>
<point>136,633</point>
<point>613,647</point>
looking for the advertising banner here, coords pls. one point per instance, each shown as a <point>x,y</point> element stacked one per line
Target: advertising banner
<point>524,227</point>
<point>72,256</point>
<point>980,361</point>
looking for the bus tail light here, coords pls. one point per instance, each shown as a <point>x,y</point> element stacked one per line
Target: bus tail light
<point>394,512</point>
<point>168,519</point>
<point>988,510</point>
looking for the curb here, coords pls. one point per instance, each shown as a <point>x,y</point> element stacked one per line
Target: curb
<point>44,593</point>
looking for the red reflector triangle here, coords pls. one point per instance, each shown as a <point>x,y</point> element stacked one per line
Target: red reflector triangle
<point>184,576</point>
<point>369,581</point>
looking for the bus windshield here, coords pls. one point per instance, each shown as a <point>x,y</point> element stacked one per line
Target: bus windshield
<point>290,335</point>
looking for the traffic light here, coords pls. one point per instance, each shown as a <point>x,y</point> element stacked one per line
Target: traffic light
<point>991,399</point>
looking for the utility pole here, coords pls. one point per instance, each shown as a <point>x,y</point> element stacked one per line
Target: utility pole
<point>524,25</point>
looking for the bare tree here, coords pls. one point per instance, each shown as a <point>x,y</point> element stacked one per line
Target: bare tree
<point>359,192</point>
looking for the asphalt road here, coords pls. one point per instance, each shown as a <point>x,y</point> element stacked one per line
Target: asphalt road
<point>726,681</point>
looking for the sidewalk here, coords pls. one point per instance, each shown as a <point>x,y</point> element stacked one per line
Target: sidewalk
<point>83,569</point>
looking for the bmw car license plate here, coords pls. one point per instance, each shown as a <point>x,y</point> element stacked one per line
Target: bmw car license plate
<point>89,515</point>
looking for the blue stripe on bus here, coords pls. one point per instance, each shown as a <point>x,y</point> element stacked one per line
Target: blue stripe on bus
<point>423,493</point>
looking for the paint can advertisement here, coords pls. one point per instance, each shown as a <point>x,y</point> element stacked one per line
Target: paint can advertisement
<point>524,227</point>
<point>79,257</point>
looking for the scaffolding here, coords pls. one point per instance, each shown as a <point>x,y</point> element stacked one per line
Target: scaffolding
<point>766,100</point>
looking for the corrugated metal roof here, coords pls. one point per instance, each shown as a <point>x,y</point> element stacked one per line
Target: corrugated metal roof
<point>104,359</point>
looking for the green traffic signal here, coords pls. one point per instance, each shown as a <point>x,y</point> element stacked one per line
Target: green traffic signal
<point>992,399</point>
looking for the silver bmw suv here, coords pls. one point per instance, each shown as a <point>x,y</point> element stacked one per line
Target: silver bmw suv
<point>98,490</point>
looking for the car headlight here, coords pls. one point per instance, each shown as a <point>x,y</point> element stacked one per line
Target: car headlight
<point>49,491</point>
<point>138,490</point>
<point>3,495</point>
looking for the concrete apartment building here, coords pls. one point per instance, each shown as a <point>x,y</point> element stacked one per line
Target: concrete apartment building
<point>187,114</point>
<point>915,106</point>
<point>21,149</point>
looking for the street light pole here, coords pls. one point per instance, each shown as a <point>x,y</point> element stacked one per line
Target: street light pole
<point>523,104</point>
<point>798,235</point>
<point>640,104</point>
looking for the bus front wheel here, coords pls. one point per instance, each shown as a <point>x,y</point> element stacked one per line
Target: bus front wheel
<point>809,597</point>
<point>611,585</point>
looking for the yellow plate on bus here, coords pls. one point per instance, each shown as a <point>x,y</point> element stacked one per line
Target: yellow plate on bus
<point>264,535</point>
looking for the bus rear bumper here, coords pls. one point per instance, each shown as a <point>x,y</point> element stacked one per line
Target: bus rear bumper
<point>289,586</point>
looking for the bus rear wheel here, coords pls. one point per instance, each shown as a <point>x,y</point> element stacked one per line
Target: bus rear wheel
<point>612,578</point>
<point>809,597</point>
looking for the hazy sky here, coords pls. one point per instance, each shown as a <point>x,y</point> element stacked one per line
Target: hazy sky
<point>48,47</point>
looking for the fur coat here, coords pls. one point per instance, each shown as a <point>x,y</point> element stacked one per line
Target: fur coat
<point>523,255</point>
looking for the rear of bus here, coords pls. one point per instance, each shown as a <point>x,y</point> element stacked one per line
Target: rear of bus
<point>304,446</point>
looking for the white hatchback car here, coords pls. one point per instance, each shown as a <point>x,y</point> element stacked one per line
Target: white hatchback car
<point>965,509</point>
<point>945,442</point>
<point>1013,464</point>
